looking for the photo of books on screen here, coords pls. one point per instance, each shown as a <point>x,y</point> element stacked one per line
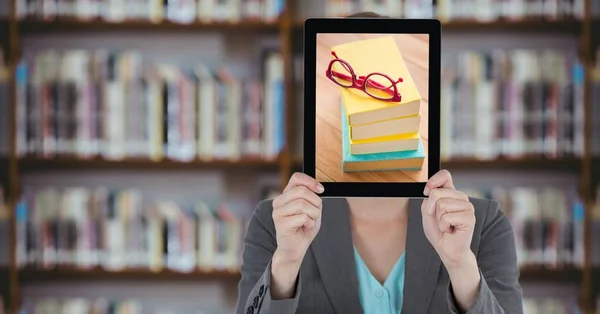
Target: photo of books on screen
<point>371,107</point>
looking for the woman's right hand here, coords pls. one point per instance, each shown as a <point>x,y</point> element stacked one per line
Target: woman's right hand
<point>297,218</point>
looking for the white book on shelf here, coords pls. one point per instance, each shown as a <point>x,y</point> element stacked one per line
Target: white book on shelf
<point>114,11</point>
<point>153,101</point>
<point>252,9</point>
<point>77,62</point>
<point>187,149</point>
<point>86,9</point>
<point>485,10</point>
<point>75,201</point>
<point>114,123</point>
<point>273,78</point>
<point>181,11</point>
<point>206,10</point>
<point>114,236</point>
<point>207,237</point>
<point>76,306</point>
<point>153,233</point>
<point>485,97</point>
<point>227,11</point>
<point>154,10</point>
<point>207,90</point>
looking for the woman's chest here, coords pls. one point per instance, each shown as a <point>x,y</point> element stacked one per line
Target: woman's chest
<point>320,293</point>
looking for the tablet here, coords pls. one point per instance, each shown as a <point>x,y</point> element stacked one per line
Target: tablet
<point>371,99</point>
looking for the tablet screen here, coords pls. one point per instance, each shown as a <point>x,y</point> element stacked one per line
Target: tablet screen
<point>371,107</point>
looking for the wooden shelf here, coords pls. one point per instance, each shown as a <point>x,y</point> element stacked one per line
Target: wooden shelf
<point>567,164</point>
<point>533,163</point>
<point>32,275</point>
<point>529,25</point>
<point>74,25</point>
<point>28,164</point>
<point>540,274</point>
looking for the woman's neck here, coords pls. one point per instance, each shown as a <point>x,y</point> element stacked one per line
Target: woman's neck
<point>378,209</point>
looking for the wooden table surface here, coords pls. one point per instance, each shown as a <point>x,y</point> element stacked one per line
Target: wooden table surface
<point>415,51</point>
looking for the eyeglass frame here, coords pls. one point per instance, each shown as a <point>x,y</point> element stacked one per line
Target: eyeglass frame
<point>360,82</point>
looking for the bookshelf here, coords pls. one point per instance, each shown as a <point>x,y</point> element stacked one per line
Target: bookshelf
<point>287,28</point>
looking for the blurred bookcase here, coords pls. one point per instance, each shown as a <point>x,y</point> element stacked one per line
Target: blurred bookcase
<point>577,150</point>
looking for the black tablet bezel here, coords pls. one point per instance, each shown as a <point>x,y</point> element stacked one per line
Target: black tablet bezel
<point>314,26</point>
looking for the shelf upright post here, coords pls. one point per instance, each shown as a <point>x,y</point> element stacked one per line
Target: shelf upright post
<point>586,167</point>
<point>13,59</point>
<point>285,34</point>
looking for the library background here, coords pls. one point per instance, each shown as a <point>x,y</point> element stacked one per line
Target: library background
<point>121,194</point>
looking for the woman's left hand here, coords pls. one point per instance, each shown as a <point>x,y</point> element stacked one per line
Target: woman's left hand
<point>448,220</point>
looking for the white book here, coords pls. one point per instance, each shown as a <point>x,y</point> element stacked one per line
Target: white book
<point>115,258</point>
<point>181,11</point>
<point>114,10</point>
<point>207,105</point>
<point>207,237</point>
<point>154,120</point>
<point>206,10</point>
<point>274,74</point>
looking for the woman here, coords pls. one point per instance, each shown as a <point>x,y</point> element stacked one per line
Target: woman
<point>445,254</point>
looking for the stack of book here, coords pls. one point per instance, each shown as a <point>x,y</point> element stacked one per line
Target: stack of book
<point>117,230</point>
<point>548,223</point>
<point>379,135</point>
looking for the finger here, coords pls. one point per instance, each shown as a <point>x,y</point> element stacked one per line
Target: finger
<point>301,179</point>
<point>299,206</point>
<point>424,208</point>
<point>444,193</point>
<point>297,221</point>
<point>448,206</point>
<point>451,222</point>
<point>442,179</point>
<point>298,192</point>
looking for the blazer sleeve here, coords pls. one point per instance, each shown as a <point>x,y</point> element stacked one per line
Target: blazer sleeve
<point>499,290</point>
<point>254,289</point>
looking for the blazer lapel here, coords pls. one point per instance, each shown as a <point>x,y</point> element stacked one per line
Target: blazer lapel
<point>422,264</point>
<point>334,255</point>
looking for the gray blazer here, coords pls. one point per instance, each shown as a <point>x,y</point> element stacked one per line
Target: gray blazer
<point>328,282</point>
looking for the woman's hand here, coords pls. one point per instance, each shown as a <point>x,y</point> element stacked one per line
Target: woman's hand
<point>448,219</point>
<point>297,219</point>
<point>448,222</point>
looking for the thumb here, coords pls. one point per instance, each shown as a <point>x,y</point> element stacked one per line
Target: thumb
<point>430,225</point>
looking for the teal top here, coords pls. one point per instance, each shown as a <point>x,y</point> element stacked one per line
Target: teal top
<point>376,298</point>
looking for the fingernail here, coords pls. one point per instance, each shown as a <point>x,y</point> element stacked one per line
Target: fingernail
<point>426,191</point>
<point>320,188</point>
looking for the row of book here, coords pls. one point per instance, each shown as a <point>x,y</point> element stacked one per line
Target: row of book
<point>132,306</point>
<point>120,105</point>
<point>512,103</point>
<point>548,224</point>
<point>149,10</point>
<point>479,10</point>
<point>91,228</point>
<point>85,306</point>
<point>595,104</point>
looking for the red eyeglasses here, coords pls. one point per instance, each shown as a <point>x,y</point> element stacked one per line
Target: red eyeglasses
<point>373,84</point>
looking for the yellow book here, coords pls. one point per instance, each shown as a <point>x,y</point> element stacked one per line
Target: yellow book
<point>386,144</point>
<point>383,56</point>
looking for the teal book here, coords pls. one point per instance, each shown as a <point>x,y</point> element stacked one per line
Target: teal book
<point>390,161</point>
